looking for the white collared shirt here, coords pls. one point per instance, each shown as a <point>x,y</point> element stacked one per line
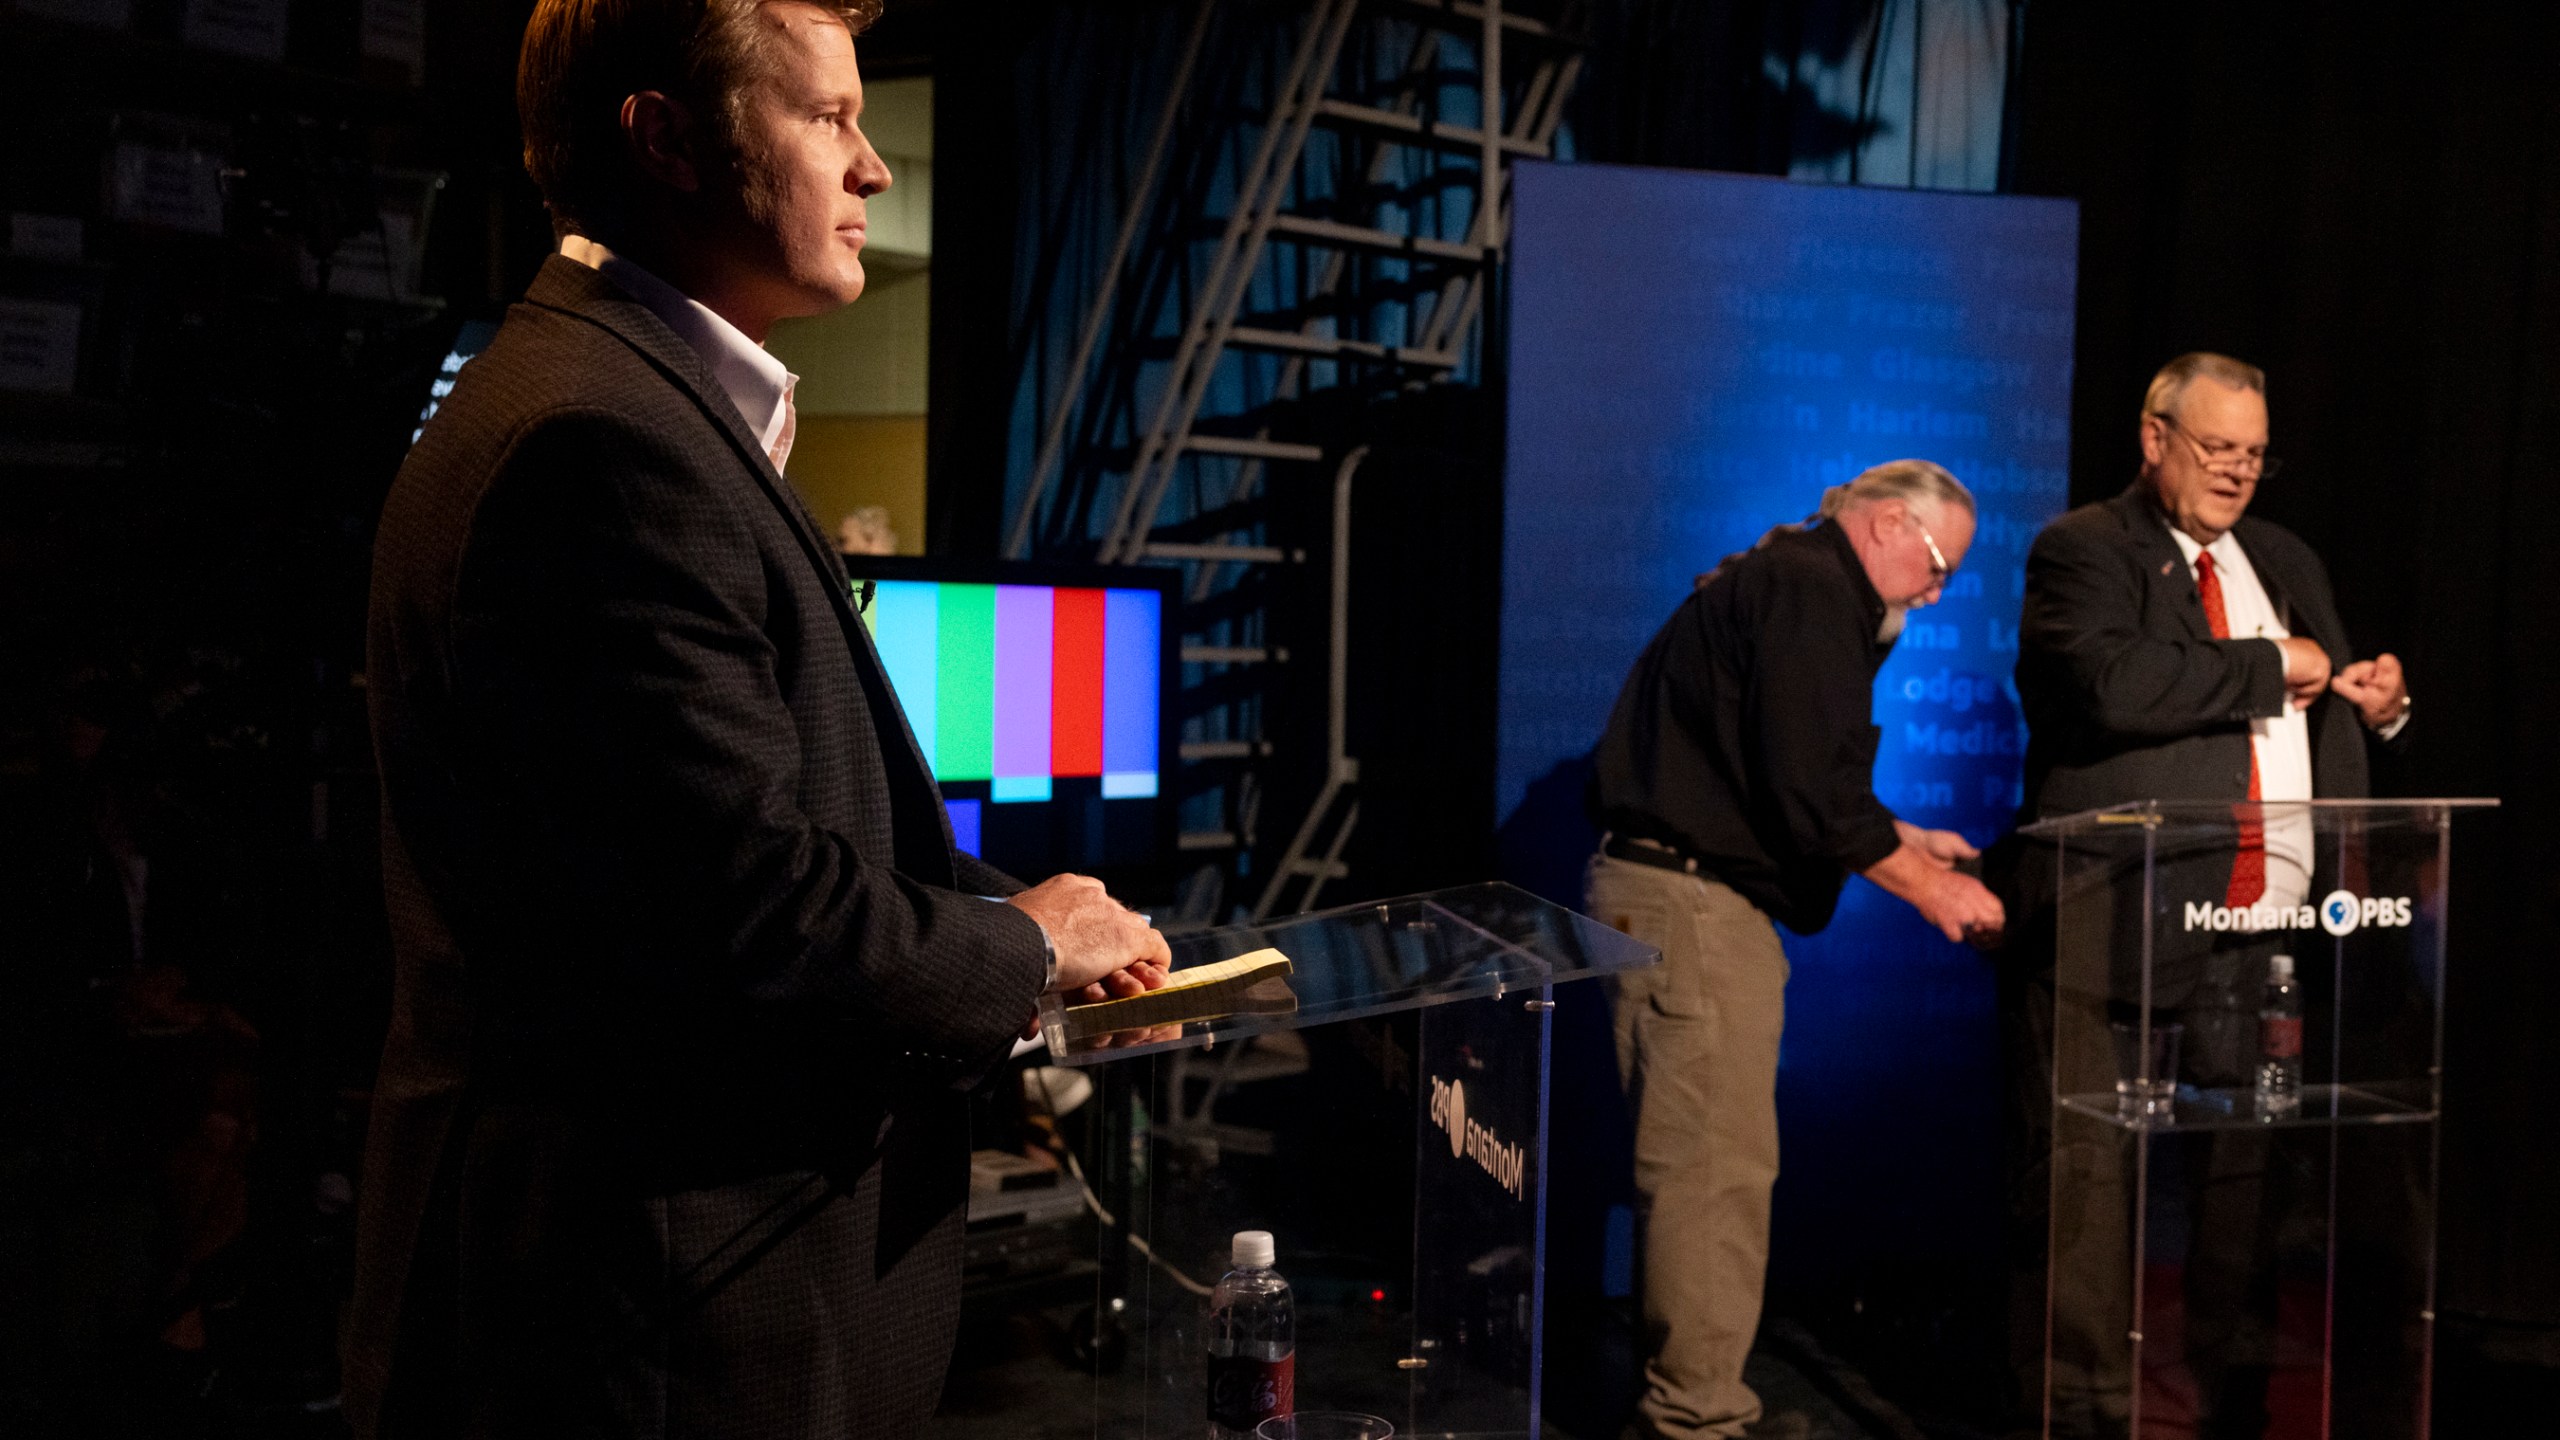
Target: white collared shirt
<point>754,381</point>
<point>2282,741</point>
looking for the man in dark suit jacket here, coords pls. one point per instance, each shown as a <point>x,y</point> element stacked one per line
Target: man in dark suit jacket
<point>669,1137</point>
<point>2173,648</point>
<point>2127,692</point>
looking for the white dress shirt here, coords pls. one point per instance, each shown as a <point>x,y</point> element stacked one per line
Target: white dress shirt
<point>2282,741</point>
<point>753,380</point>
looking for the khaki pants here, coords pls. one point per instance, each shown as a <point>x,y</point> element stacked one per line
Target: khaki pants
<point>1698,1052</point>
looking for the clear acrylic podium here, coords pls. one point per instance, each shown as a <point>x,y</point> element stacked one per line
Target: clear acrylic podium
<point>1391,1132</point>
<point>2225,1259</point>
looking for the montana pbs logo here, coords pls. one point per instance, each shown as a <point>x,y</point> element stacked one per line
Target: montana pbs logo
<point>1507,1164</point>
<point>2340,912</point>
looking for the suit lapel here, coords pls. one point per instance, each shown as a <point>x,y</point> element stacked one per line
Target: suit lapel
<point>567,286</point>
<point>2302,620</point>
<point>572,289</point>
<point>2279,597</point>
<point>2163,564</point>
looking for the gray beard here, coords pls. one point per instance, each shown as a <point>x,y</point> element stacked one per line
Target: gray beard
<point>1891,629</point>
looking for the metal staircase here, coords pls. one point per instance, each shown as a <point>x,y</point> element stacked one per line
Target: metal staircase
<point>1315,225</point>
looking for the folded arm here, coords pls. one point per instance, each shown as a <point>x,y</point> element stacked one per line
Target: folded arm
<point>2083,621</point>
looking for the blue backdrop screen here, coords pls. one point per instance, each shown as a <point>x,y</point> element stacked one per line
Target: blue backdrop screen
<point>1693,358</point>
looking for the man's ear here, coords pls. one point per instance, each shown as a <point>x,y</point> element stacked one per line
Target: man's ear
<point>664,140</point>
<point>2155,436</point>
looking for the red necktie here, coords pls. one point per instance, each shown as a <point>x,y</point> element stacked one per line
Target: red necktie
<point>2249,866</point>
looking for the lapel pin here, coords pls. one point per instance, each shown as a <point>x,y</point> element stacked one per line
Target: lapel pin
<point>2165,566</point>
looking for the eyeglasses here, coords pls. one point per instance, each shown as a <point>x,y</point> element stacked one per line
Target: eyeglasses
<point>2242,462</point>
<point>1939,569</point>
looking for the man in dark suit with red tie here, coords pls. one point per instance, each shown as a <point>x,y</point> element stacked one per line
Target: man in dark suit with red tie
<point>2130,689</point>
<point>670,1136</point>
<point>2172,647</point>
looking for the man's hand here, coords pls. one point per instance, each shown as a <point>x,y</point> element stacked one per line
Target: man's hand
<point>2306,670</point>
<point>1960,906</point>
<point>1105,949</point>
<point>1943,847</point>
<point>2376,687</point>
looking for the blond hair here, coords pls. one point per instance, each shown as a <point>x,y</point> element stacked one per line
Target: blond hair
<point>1913,482</point>
<point>2170,385</point>
<point>582,58</point>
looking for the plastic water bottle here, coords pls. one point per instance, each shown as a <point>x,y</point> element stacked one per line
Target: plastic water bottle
<point>1253,1341</point>
<point>2280,1041</point>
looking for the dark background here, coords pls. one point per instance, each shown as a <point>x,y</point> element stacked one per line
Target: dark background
<point>2364,204</point>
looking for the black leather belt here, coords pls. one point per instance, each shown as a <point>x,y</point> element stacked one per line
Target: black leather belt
<point>1649,852</point>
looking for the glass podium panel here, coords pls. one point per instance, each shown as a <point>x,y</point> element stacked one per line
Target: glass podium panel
<point>1390,1131</point>
<point>2247,1048</point>
<point>1369,959</point>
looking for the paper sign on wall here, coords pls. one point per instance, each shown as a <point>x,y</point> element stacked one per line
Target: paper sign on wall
<point>251,29</point>
<point>166,185</point>
<point>39,345</point>
<point>44,237</point>
<point>105,14</point>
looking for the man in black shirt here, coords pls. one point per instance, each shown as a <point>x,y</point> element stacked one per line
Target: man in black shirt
<point>1736,786</point>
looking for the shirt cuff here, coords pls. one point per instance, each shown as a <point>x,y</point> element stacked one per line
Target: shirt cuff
<point>1870,843</point>
<point>2284,692</point>
<point>1048,948</point>
<point>2398,723</point>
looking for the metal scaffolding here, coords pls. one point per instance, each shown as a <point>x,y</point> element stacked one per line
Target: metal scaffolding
<point>1337,208</point>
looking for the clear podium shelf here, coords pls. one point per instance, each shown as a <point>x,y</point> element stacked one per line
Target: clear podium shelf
<point>2200,1109</point>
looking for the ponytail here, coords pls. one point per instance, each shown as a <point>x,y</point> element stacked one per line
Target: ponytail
<point>1910,481</point>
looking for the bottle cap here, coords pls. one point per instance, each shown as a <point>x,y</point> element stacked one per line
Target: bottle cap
<point>2279,967</point>
<point>1251,1250</point>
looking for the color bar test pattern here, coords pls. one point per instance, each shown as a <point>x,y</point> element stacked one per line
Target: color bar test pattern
<point>1020,685</point>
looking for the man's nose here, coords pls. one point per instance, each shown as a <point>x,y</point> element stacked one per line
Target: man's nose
<point>869,175</point>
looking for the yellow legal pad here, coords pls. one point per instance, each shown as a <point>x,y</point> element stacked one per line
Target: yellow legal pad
<point>1251,984</point>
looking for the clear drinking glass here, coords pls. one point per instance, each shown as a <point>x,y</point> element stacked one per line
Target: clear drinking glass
<point>1325,1425</point>
<point>2146,1079</point>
